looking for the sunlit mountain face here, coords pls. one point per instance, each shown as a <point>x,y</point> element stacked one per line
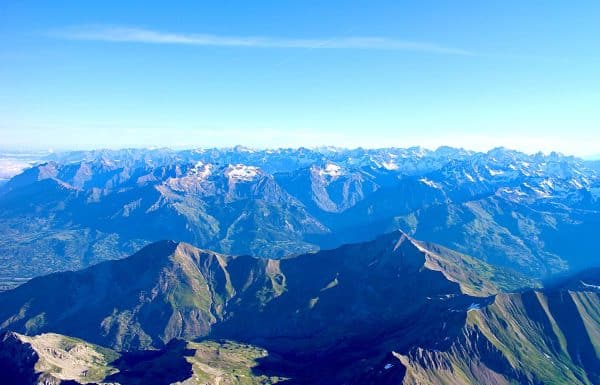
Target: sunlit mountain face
<point>392,310</point>
<point>300,266</point>
<point>309,266</point>
<point>531,213</point>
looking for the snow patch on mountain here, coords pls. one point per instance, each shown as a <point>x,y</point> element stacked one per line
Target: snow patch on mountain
<point>391,165</point>
<point>241,172</point>
<point>549,183</point>
<point>494,172</point>
<point>590,286</point>
<point>577,184</point>
<point>201,170</point>
<point>331,169</point>
<point>469,177</point>
<point>538,192</point>
<point>511,194</point>
<point>430,183</point>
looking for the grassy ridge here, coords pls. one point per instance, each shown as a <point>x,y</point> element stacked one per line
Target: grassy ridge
<point>535,337</point>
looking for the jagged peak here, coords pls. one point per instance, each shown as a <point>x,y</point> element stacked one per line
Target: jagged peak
<point>397,238</point>
<point>166,250</point>
<point>186,250</point>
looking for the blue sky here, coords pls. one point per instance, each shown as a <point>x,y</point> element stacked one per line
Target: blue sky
<point>525,75</point>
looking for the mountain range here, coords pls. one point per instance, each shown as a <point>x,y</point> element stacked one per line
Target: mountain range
<point>300,266</point>
<point>388,311</point>
<point>535,214</point>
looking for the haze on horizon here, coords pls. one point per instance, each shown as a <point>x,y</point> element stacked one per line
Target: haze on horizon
<point>520,75</point>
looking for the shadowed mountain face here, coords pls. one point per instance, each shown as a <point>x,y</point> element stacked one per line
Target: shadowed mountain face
<point>173,290</point>
<point>525,212</point>
<point>389,311</point>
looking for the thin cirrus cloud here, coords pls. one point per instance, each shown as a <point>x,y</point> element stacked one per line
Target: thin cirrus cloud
<point>149,36</point>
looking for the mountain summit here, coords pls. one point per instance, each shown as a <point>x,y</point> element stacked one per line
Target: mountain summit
<point>173,290</point>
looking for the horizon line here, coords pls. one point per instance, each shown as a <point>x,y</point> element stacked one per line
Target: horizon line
<point>318,148</point>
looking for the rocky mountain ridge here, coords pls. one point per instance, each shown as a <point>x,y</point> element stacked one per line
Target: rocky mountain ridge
<point>388,311</point>
<point>81,208</point>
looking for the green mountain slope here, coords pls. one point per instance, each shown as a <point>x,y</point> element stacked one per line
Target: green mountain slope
<point>537,337</point>
<point>172,290</point>
<point>388,311</point>
<point>538,241</point>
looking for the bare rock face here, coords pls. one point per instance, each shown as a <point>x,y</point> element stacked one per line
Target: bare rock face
<point>53,359</point>
<point>17,360</point>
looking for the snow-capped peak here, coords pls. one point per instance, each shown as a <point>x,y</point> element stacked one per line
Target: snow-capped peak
<point>241,172</point>
<point>331,169</point>
<point>201,170</point>
<point>391,165</point>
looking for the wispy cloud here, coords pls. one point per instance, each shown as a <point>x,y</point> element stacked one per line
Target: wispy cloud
<point>142,35</point>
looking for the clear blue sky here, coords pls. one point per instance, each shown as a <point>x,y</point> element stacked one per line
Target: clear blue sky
<point>477,74</point>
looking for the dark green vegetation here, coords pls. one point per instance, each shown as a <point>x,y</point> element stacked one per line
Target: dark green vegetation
<point>537,214</point>
<point>392,310</point>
